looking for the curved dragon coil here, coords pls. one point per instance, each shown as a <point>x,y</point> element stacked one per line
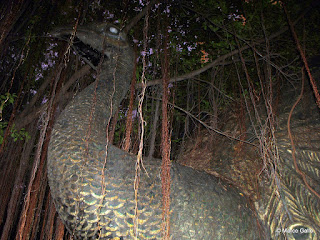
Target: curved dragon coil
<point>288,206</point>
<point>92,181</point>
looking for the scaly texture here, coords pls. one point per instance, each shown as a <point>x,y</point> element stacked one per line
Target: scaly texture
<point>94,194</point>
<point>287,206</point>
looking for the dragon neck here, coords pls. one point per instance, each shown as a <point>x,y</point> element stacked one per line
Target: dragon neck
<point>110,88</point>
<point>107,51</point>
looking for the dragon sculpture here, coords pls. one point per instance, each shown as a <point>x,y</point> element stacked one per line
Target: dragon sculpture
<point>92,182</point>
<point>288,206</point>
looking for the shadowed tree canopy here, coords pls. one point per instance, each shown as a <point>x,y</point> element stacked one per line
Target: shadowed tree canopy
<point>227,63</point>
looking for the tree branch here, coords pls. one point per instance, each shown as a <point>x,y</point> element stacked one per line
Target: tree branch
<point>222,58</point>
<point>139,16</point>
<point>206,125</point>
<point>31,113</point>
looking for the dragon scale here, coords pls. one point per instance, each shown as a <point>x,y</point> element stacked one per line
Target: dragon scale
<point>92,181</point>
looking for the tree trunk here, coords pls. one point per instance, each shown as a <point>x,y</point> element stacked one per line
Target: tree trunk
<point>130,109</point>
<point>112,128</point>
<point>12,13</point>
<point>154,128</point>
<point>12,210</point>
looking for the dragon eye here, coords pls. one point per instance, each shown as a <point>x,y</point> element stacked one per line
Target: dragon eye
<point>113,30</point>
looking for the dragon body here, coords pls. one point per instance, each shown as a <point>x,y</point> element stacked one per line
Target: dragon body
<point>92,182</point>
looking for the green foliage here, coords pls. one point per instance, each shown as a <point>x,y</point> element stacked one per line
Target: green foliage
<point>197,27</point>
<point>3,126</point>
<point>7,99</point>
<point>14,133</point>
<point>22,134</point>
